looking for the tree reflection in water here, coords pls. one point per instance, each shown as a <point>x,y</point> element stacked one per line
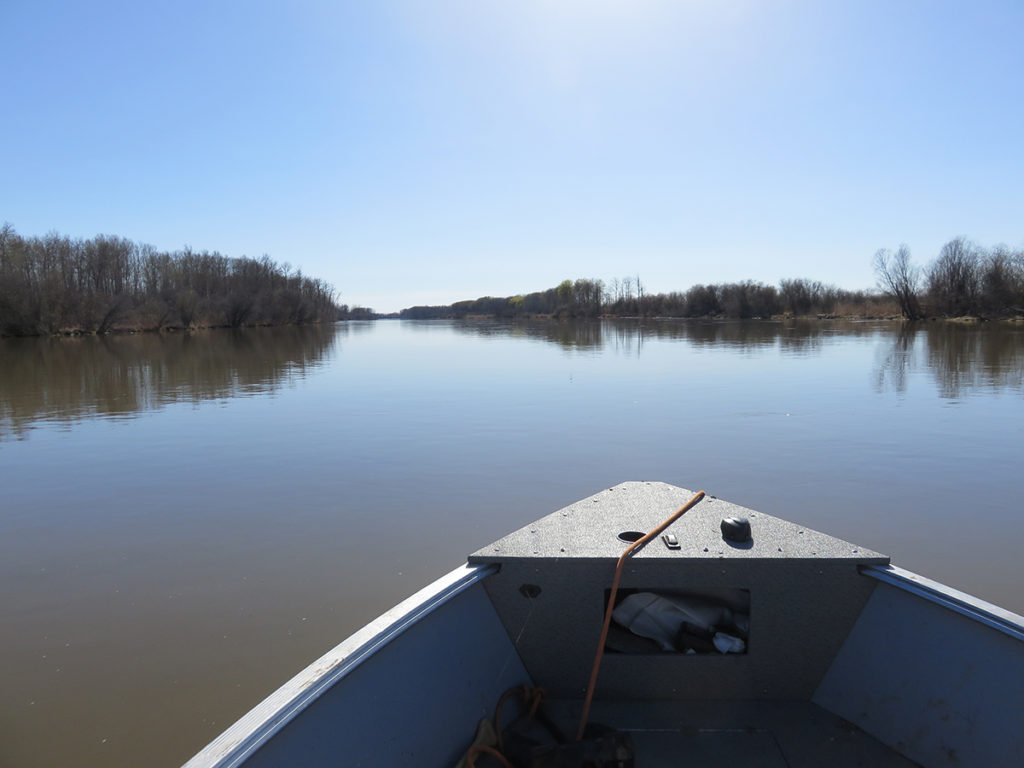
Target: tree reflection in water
<point>66,380</point>
<point>962,358</point>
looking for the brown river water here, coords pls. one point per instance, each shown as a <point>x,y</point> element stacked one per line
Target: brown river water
<point>188,520</point>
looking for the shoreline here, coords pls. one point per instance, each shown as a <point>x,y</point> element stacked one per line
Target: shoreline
<point>964,320</point>
<point>128,331</point>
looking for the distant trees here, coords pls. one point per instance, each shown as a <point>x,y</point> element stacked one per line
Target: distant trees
<point>900,279</point>
<point>1002,281</point>
<point>356,313</point>
<point>748,299</point>
<point>963,280</point>
<point>55,283</point>
<point>626,297</point>
<point>801,297</point>
<point>954,279</point>
<point>700,301</point>
<point>586,298</point>
<point>570,298</point>
<point>744,300</point>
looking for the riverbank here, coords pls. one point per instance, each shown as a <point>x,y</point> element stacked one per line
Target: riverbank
<point>56,285</point>
<point>544,317</point>
<point>967,319</point>
<point>171,329</point>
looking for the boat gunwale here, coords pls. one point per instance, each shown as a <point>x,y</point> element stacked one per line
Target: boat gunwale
<point>1000,619</point>
<point>234,745</point>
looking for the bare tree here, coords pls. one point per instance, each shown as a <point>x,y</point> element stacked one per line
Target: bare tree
<point>954,280</point>
<point>54,284</point>
<point>1002,281</point>
<point>900,279</point>
<point>799,296</point>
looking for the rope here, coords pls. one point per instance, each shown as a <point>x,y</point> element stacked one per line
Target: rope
<point>532,699</point>
<point>636,546</point>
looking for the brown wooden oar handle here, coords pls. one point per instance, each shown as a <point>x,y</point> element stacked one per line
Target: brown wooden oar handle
<point>636,546</point>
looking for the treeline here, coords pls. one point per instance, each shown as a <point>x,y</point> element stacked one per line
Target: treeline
<point>582,298</point>
<point>56,284</point>
<point>965,279</point>
<point>587,298</point>
<point>749,299</point>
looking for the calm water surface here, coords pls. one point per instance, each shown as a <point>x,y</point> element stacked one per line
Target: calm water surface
<point>187,520</point>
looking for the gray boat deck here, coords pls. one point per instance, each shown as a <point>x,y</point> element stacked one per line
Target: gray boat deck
<point>765,734</point>
<point>805,595</point>
<point>848,662</point>
<point>752,709</point>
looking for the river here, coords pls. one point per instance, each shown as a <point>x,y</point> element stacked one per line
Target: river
<point>189,519</point>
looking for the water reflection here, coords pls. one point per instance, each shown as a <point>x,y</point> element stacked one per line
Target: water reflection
<point>967,358</point>
<point>569,334</point>
<point>65,380</point>
<point>794,337</point>
<point>896,360</point>
<point>961,358</point>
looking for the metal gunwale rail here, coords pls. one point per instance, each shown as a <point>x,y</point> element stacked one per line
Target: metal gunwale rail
<point>253,729</point>
<point>993,616</point>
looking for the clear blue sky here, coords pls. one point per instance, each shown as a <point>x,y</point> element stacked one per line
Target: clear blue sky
<point>424,152</point>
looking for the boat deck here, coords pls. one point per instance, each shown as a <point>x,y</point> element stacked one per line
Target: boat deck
<point>766,734</point>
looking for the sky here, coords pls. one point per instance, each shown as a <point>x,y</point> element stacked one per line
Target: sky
<point>425,152</point>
